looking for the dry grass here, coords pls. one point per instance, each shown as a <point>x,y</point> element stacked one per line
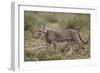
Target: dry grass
<point>34,48</point>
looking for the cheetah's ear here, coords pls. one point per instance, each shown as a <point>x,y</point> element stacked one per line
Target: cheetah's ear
<point>46,27</point>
